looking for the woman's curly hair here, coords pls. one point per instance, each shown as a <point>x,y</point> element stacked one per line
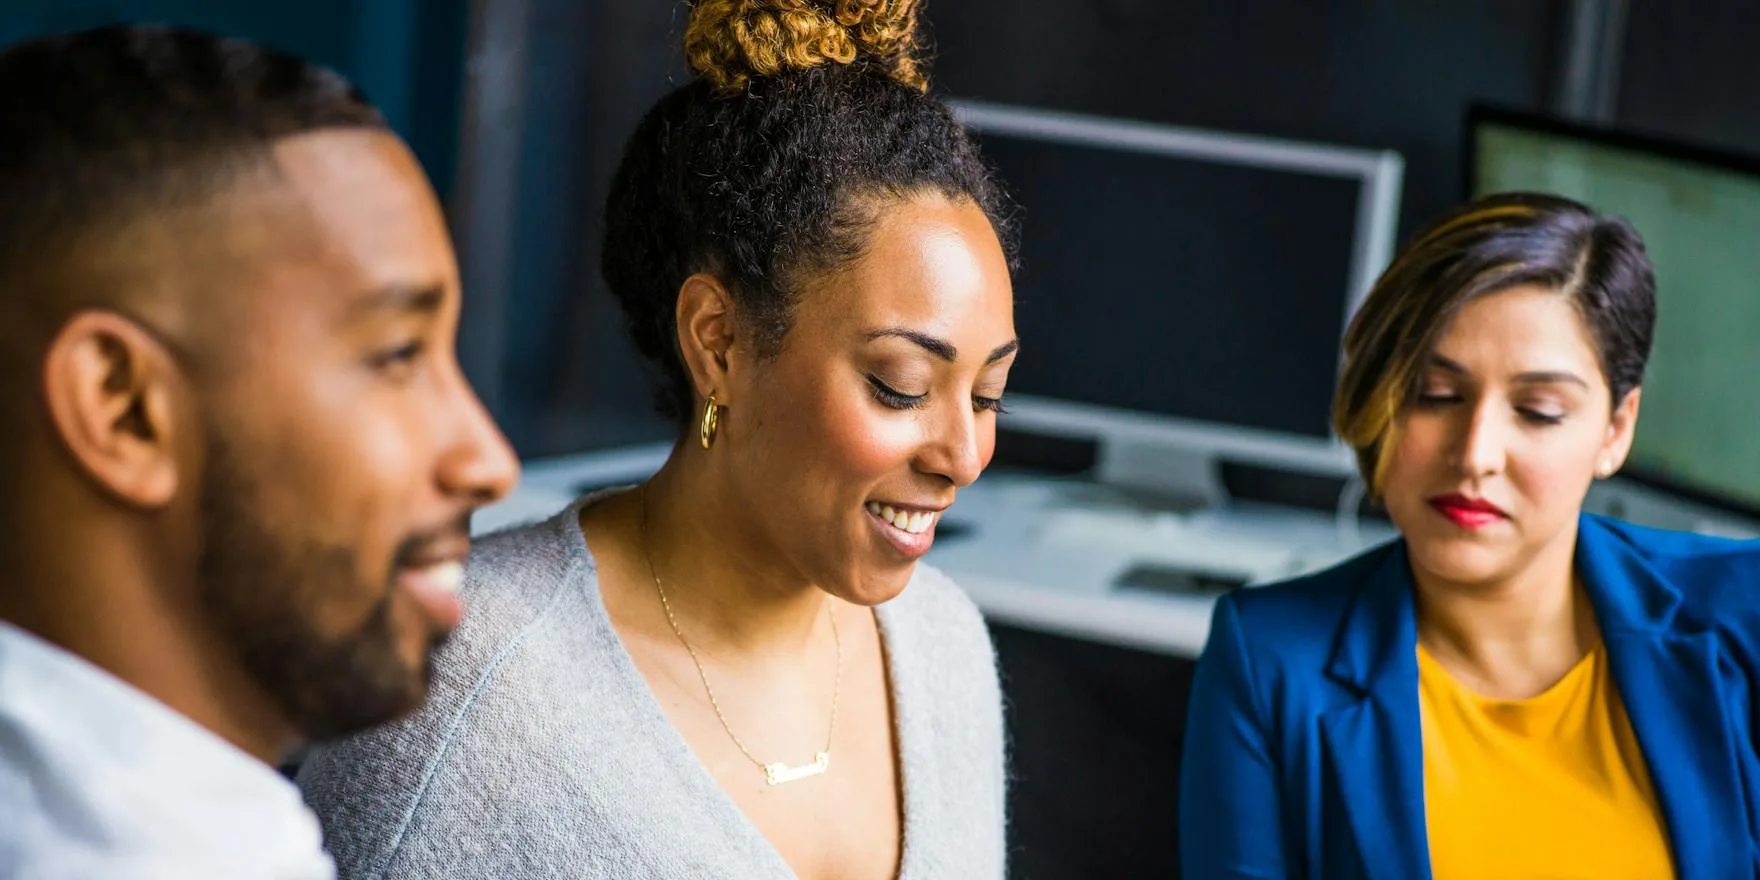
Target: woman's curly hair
<point>806,119</point>
<point>732,42</point>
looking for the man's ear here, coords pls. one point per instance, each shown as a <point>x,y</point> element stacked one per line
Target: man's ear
<point>111,389</point>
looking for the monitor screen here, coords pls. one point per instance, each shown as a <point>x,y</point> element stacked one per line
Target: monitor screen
<point>1175,284</point>
<point>1699,215</point>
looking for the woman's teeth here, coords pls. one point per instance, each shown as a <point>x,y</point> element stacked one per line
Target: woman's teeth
<point>914,523</point>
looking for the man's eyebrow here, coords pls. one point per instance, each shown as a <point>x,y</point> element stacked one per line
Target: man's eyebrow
<point>399,298</point>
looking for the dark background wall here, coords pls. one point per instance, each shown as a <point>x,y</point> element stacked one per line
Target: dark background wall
<point>1692,71</point>
<point>1371,74</point>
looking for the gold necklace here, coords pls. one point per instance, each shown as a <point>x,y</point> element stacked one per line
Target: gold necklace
<point>775,773</point>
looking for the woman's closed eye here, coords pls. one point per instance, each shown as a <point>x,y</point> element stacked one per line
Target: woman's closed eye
<point>1436,399</point>
<point>894,398</point>
<point>1542,414</point>
<point>1541,418</point>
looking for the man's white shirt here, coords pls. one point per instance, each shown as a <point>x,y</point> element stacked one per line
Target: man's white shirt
<point>99,780</point>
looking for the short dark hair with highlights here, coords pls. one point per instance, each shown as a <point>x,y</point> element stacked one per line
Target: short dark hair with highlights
<point>806,119</point>
<point>1493,244</point>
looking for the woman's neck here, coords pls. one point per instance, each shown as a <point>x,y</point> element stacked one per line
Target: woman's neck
<point>1511,638</point>
<point>728,586</point>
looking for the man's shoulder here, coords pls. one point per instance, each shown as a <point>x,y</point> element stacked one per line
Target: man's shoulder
<point>63,824</point>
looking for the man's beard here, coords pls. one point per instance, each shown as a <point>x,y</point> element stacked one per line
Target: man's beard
<point>266,588</point>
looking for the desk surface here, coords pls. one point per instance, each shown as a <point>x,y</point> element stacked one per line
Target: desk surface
<point>1051,554</point>
<point>1042,553</point>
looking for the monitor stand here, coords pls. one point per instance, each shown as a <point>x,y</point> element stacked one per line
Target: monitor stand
<point>1161,475</point>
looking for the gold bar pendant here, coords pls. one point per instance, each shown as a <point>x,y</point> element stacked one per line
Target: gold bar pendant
<point>779,773</point>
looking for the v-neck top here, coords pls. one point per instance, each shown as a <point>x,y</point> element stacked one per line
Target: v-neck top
<point>542,752</point>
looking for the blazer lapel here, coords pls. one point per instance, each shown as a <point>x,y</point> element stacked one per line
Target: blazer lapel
<point>1374,746</point>
<point>1668,680</point>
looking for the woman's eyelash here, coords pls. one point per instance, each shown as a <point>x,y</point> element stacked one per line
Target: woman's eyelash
<point>1532,415</point>
<point>892,397</point>
<point>896,399</point>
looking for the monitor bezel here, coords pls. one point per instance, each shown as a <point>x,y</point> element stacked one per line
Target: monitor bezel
<point>1481,114</point>
<point>1380,175</point>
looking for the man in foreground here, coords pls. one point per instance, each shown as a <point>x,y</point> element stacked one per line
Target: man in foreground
<point>239,458</point>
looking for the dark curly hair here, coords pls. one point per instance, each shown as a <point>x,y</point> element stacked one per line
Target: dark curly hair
<point>806,119</point>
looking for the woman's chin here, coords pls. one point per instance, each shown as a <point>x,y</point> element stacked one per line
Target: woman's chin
<point>1459,561</point>
<point>871,589</point>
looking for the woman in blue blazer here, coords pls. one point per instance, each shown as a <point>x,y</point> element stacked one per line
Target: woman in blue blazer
<point>1514,688</point>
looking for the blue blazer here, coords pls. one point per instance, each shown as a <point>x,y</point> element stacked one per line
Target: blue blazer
<point>1303,754</point>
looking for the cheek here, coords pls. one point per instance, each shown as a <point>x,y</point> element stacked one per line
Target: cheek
<point>1554,471</point>
<point>345,467</point>
<point>1417,468</point>
<point>1418,452</point>
<point>863,441</point>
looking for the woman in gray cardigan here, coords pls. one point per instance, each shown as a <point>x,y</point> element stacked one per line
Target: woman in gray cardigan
<point>739,669</point>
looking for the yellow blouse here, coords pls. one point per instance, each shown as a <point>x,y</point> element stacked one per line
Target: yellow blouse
<point>1552,786</point>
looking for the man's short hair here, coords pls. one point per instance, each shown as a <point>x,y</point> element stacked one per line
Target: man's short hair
<point>103,128</point>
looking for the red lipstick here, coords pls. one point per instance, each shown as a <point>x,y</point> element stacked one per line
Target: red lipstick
<point>1467,513</point>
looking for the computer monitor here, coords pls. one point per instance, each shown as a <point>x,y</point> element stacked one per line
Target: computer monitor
<point>1699,213</point>
<point>1185,289</point>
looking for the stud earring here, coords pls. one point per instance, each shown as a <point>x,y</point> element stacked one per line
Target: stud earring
<point>711,423</point>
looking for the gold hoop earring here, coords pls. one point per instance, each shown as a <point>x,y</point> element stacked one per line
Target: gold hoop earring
<point>711,423</point>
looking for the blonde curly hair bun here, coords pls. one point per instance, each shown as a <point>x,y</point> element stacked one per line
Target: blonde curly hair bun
<point>731,42</point>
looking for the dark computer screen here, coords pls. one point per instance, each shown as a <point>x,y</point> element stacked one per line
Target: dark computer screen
<point>1699,215</point>
<point>1178,286</point>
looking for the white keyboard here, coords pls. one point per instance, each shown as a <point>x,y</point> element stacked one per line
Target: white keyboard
<point>1170,540</point>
